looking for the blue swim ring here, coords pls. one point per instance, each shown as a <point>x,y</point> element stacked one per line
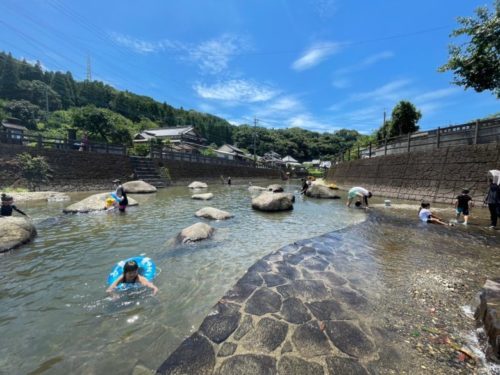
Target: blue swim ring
<point>147,269</point>
<point>115,197</point>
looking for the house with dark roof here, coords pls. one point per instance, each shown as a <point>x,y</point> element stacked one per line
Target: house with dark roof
<point>12,131</point>
<point>230,152</point>
<point>176,136</point>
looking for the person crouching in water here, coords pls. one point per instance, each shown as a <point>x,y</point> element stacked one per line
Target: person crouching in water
<point>131,276</point>
<point>425,214</point>
<point>120,192</point>
<point>7,206</point>
<point>360,193</point>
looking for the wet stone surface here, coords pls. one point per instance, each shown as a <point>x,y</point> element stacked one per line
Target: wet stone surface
<point>342,303</point>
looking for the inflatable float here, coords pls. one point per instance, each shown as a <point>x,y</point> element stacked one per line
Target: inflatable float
<point>147,269</point>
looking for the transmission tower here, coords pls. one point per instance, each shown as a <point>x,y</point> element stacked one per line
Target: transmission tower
<point>89,69</point>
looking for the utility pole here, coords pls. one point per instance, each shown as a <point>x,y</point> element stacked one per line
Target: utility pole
<point>383,126</point>
<point>89,69</point>
<point>254,136</point>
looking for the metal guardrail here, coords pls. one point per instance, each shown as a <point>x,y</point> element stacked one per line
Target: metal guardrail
<point>41,142</point>
<point>478,132</point>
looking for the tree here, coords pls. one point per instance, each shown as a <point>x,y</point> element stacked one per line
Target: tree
<point>476,64</point>
<point>35,170</point>
<point>25,111</point>
<point>404,118</point>
<point>9,78</point>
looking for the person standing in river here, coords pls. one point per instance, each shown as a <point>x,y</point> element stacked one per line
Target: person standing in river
<point>463,204</point>
<point>7,206</point>
<point>120,192</point>
<point>493,197</point>
<point>360,193</point>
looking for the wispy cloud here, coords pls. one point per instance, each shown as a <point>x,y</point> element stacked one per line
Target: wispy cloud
<point>241,91</point>
<point>315,55</point>
<point>280,107</point>
<point>212,56</point>
<point>306,121</point>
<point>365,63</point>
<point>436,94</point>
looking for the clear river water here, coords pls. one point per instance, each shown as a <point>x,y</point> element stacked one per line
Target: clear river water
<point>56,318</point>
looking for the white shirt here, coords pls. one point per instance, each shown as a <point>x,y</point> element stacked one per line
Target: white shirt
<point>424,214</point>
<point>361,190</point>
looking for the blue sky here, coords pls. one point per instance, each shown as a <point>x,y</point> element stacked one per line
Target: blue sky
<point>318,64</point>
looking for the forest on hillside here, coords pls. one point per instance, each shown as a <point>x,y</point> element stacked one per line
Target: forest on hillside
<point>51,103</point>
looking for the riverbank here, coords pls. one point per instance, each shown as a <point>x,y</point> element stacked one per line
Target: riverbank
<point>384,296</point>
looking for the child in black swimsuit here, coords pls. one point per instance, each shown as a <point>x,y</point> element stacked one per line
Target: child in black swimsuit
<point>7,206</point>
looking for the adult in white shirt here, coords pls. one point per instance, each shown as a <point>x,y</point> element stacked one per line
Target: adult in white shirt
<point>358,192</point>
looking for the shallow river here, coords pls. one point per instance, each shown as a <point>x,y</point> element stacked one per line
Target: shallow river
<point>55,316</point>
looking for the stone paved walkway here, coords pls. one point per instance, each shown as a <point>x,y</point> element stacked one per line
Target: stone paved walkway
<point>307,308</point>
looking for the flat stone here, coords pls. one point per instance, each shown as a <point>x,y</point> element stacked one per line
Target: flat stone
<point>315,264</point>
<point>331,278</point>
<point>289,365</point>
<point>346,336</point>
<point>345,366</point>
<point>310,341</point>
<point>218,326</point>
<point>197,185</point>
<point>308,290</point>
<point>204,196</point>
<point>245,326</point>
<point>267,336</point>
<point>287,270</point>
<point>272,202</point>
<point>138,187</point>
<point>213,213</point>
<point>95,202</point>
<point>294,311</point>
<point>350,297</point>
<point>194,356</point>
<point>252,278</point>
<point>239,292</point>
<point>260,266</point>
<point>15,231</point>
<point>227,349</point>
<point>273,279</point>
<point>256,189</point>
<point>327,310</point>
<point>287,347</point>
<point>249,364</point>
<point>195,232</point>
<point>263,301</point>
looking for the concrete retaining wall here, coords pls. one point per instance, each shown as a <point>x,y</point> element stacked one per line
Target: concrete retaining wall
<point>436,175</point>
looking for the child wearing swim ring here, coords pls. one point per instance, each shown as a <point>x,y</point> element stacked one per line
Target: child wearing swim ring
<point>131,276</point>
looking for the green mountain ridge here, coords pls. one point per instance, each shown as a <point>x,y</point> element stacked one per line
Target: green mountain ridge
<point>53,102</point>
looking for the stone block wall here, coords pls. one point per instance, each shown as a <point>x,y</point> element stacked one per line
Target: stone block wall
<point>436,175</point>
<point>184,170</point>
<point>71,170</point>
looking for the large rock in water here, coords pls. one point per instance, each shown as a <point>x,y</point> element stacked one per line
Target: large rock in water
<point>197,185</point>
<point>272,202</point>
<point>256,189</point>
<point>138,187</point>
<point>96,202</point>
<point>213,213</point>
<point>488,314</point>
<point>15,231</point>
<point>275,188</point>
<point>204,197</point>
<point>321,191</point>
<point>196,232</point>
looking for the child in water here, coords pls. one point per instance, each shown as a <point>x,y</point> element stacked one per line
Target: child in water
<point>131,276</point>
<point>425,214</point>
<point>7,206</point>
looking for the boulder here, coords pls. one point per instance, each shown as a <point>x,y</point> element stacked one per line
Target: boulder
<point>197,185</point>
<point>96,202</point>
<point>487,314</point>
<point>275,188</point>
<point>321,191</point>
<point>213,213</point>
<point>254,189</point>
<point>138,187</point>
<point>15,231</point>
<point>196,232</point>
<point>271,202</point>
<point>205,196</point>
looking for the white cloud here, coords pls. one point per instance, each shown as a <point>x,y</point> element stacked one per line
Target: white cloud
<point>365,63</point>
<point>316,54</point>
<point>212,56</point>
<point>306,121</point>
<point>282,106</point>
<point>241,91</point>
